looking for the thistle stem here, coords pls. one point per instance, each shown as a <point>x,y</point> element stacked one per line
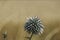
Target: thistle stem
<point>31,36</point>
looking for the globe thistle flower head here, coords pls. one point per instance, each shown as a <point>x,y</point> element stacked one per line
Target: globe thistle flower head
<point>33,25</point>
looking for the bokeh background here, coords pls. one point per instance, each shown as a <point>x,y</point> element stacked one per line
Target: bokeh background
<point>13,14</point>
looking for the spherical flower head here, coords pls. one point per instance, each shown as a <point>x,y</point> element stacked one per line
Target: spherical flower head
<point>33,25</point>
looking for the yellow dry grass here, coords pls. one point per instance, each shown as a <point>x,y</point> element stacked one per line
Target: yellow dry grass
<point>13,14</point>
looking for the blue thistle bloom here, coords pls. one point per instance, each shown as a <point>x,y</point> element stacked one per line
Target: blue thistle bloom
<point>33,25</point>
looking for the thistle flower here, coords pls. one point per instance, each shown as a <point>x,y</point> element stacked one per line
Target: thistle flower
<point>33,25</point>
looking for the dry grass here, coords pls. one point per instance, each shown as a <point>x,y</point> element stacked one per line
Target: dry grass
<point>13,16</point>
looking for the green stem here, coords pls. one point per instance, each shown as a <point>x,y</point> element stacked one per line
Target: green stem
<point>31,36</point>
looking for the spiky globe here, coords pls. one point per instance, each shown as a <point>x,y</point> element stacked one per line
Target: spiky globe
<point>33,25</point>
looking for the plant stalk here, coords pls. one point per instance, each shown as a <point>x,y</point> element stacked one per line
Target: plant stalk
<point>31,36</point>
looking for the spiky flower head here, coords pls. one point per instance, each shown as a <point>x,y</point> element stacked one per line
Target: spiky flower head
<point>33,25</point>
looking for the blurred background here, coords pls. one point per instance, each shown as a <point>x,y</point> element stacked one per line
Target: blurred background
<point>13,14</point>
